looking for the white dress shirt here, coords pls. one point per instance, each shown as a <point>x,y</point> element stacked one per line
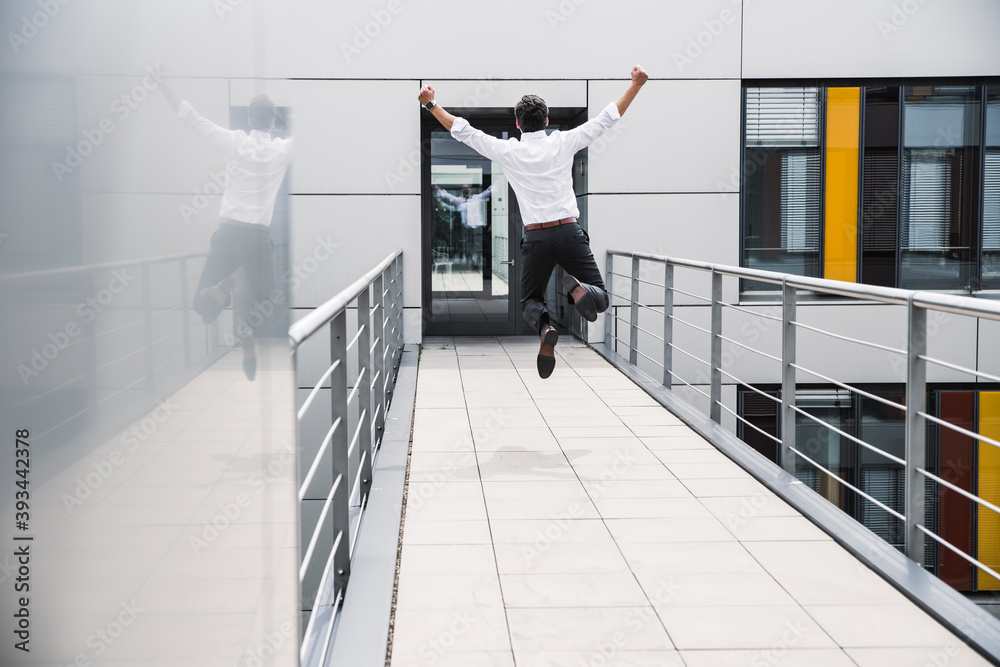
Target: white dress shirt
<point>255,162</point>
<point>471,209</point>
<point>540,165</point>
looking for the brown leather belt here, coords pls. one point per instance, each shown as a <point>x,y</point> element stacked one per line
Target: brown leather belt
<point>545,225</point>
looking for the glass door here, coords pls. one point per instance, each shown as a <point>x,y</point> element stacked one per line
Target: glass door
<point>469,247</point>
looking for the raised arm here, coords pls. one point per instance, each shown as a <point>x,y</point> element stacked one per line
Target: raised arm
<point>447,196</point>
<point>482,143</point>
<point>427,95</point>
<point>639,77</point>
<point>168,93</point>
<point>216,136</point>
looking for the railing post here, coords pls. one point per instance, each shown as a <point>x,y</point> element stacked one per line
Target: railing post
<point>147,326</point>
<point>668,323</point>
<point>381,384</point>
<point>609,315</point>
<point>365,375</point>
<point>185,315</point>
<point>787,377</point>
<point>715,409</point>
<point>633,337</point>
<point>916,430</point>
<point>340,509</point>
<point>397,322</point>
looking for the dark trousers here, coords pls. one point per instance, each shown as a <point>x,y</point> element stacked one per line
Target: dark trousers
<point>231,247</point>
<point>541,250</point>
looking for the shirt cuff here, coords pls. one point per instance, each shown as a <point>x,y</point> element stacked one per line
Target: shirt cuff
<point>458,125</point>
<point>612,110</point>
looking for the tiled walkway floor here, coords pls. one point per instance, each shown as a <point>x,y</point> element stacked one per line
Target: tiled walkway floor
<point>573,522</point>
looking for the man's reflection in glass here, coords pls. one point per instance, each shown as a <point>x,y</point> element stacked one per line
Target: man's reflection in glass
<point>470,208</point>
<point>256,165</point>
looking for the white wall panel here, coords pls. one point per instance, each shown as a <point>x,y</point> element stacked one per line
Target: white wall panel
<point>703,227</point>
<point>362,231</point>
<point>989,347</point>
<point>479,93</point>
<point>520,39</point>
<point>350,136</point>
<point>677,136</point>
<point>870,38</point>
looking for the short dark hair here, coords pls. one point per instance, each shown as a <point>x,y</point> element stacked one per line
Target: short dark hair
<point>261,113</point>
<point>531,113</point>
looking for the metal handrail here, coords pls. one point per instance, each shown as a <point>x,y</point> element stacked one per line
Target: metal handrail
<point>362,402</point>
<point>625,301</point>
<point>13,278</point>
<point>302,330</point>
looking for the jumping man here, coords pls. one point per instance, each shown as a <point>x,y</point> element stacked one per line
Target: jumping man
<point>539,168</point>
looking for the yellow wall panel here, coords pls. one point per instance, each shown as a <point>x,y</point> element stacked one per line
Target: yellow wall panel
<point>843,132</point>
<point>989,488</point>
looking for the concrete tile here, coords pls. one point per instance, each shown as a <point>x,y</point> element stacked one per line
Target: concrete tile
<point>571,590</point>
<point>742,628</point>
<point>585,629</point>
<point>560,558</point>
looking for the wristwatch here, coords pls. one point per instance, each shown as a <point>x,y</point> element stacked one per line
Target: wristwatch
<point>430,105</point>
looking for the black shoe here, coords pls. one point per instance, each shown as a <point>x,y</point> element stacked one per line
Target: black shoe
<point>547,352</point>
<point>580,297</point>
<point>250,367</point>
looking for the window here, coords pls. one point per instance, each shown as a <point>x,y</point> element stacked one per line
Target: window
<point>782,171</point>
<point>940,162</point>
<point>919,162</point>
<point>991,191</point>
<point>952,456</point>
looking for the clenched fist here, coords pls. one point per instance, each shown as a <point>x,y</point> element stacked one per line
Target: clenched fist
<point>426,94</point>
<point>639,76</point>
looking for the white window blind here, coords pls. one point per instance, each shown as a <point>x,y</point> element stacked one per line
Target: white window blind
<point>783,117</point>
<point>927,199</point>
<point>800,183</point>
<point>991,200</point>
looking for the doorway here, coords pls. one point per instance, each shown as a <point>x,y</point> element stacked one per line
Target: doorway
<point>472,229</point>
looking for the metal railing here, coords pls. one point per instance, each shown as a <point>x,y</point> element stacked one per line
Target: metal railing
<point>92,331</point>
<point>630,311</point>
<point>336,482</point>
